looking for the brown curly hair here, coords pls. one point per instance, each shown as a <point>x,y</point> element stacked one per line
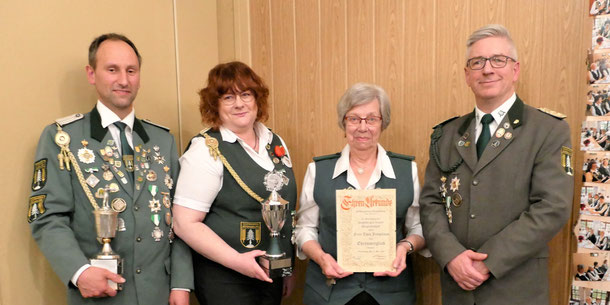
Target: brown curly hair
<point>232,77</point>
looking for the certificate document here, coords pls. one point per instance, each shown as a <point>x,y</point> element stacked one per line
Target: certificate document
<point>366,229</point>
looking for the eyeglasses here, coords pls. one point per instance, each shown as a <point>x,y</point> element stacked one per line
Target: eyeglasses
<point>230,99</point>
<point>355,120</point>
<point>496,61</point>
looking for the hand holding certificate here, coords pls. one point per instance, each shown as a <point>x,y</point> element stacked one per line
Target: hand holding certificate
<point>366,229</point>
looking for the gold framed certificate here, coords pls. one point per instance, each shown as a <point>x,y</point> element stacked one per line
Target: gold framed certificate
<point>366,229</point>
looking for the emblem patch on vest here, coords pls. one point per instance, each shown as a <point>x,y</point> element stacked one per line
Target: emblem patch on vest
<point>250,234</point>
<point>40,174</point>
<point>36,207</point>
<point>566,160</point>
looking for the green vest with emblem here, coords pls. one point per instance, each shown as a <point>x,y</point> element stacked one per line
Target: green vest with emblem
<point>234,215</point>
<point>386,290</point>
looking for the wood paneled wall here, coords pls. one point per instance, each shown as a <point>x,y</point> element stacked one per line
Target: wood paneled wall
<point>311,51</point>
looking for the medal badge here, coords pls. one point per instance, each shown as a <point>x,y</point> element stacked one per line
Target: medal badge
<point>461,143</point>
<point>154,205</point>
<point>114,187</point>
<point>157,234</point>
<point>86,155</point>
<point>92,180</point>
<point>455,184</point>
<point>446,200</point>
<point>467,144</point>
<point>495,143</point>
<point>166,201</point>
<point>250,234</point>
<point>151,176</point>
<point>118,205</point>
<point>500,132</point>
<point>99,194</point>
<point>506,125</point>
<point>508,135</point>
<point>168,218</point>
<point>169,182</point>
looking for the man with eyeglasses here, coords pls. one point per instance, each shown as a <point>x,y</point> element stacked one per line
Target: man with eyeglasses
<point>498,185</point>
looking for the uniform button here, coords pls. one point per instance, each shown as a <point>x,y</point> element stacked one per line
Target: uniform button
<point>138,239</point>
<point>136,208</point>
<point>473,216</point>
<point>475,182</point>
<point>138,271</point>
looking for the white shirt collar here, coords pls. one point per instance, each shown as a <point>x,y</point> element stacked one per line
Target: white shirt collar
<point>382,166</point>
<point>108,117</point>
<point>264,134</point>
<point>498,113</point>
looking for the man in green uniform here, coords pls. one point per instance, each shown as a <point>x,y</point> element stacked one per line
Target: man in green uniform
<point>110,153</point>
<point>498,185</point>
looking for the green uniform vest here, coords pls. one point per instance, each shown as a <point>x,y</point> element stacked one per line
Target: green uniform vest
<point>386,290</point>
<point>234,215</point>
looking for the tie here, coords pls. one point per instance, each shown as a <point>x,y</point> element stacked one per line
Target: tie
<point>485,135</point>
<point>126,150</point>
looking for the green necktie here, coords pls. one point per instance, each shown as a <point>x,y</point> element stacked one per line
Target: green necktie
<point>485,134</point>
<point>126,150</point>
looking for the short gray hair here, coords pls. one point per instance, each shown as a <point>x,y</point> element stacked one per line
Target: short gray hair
<point>362,93</point>
<point>491,30</point>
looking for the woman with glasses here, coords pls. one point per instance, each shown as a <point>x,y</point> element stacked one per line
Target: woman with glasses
<point>363,113</point>
<point>217,205</point>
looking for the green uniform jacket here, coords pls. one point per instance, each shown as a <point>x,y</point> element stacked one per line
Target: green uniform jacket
<point>62,221</point>
<point>515,199</point>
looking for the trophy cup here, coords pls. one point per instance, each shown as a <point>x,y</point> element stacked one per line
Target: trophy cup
<point>106,222</point>
<point>275,262</point>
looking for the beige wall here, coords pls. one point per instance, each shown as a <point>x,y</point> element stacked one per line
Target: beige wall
<point>43,56</point>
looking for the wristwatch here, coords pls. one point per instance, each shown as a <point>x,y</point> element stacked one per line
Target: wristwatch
<point>411,248</point>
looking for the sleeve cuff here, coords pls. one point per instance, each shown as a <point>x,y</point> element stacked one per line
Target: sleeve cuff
<point>77,274</point>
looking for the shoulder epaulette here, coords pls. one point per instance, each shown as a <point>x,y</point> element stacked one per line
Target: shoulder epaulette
<point>400,156</point>
<point>445,122</point>
<point>552,113</point>
<point>326,157</point>
<point>69,119</point>
<point>155,124</point>
<point>204,131</point>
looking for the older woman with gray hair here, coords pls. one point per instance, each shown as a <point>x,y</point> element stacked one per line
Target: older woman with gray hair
<point>363,164</point>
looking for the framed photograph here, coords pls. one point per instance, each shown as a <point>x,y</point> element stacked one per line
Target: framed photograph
<point>595,134</point>
<point>600,36</point>
<point>588,296</point>
<point>595,199</point>
<point>596,167</point>
<point>599,72</point>
<point>591,270</point>
<point>592,234</point>
<point>598,100</point>
<point>599,7</point>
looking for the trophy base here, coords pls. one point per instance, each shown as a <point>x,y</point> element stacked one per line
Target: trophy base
<point>112,263</point>
<point>276,267</point>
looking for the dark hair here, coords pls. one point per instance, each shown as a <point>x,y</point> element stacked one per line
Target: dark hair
<point>95,44</point>
<point>232,77</point>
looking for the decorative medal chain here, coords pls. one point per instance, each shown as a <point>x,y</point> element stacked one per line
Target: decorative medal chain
<point>212,144</point>
<point>65,157</point>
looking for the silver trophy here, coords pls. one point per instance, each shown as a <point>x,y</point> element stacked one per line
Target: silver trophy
<point>275,262</point>
<point>106,224</point>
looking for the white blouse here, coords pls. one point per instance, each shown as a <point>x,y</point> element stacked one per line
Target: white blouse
<point>308,214</point>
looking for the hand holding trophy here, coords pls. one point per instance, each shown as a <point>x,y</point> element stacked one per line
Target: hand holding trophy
<point>106,221</point>
<point>275,262</point>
